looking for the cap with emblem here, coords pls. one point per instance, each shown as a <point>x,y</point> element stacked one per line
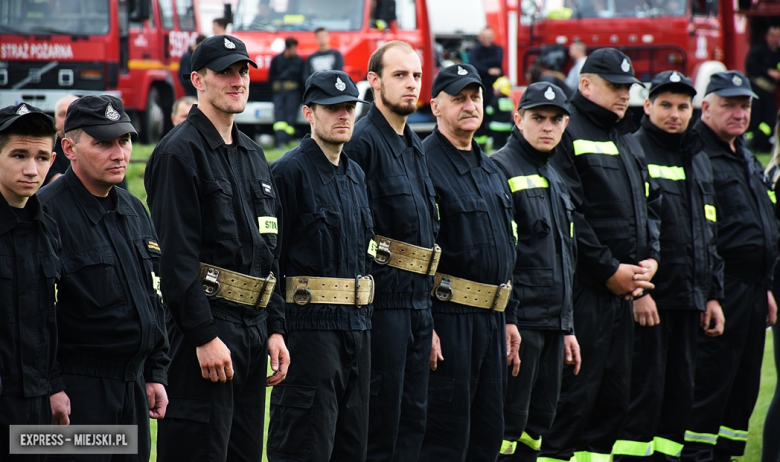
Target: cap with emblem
<point>10,114</point>
<point>671,81</point>
<point>729,83</point>
<point>102,116</point>
<point>543,94</point>
<point>611,65</point>
<point>453,79</point>
<point>330,87</point>
<point>219,52</point>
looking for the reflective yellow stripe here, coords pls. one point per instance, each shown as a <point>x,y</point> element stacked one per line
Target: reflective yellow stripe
<point>501,126</point>
<point>647,189</point>
<point>372,248</point>
<point>154,245</point>
<point>734,435</point>
<point>534,444</point>
<point>749,136</point>
<point>506,105</point>
<point>281,126</point>
<point>514,231</point>
<point>668,447</point>
<point>707,438</point>
<point>772,196</point>
<point>587,456</point>
<point>571,229</point>
<point>56,293</point>
<point>765,128</point>
<point>520,183</point>
<point>665,172</point>
<point>595,147</point>
<point>438,215</point>
<point>267,225</point>
<point>481,139</point>
<point>508,447</point>
<point>710,212</point>
<point>633,448</point>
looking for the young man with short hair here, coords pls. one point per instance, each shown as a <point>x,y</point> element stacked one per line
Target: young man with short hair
<point>325,58</point>
<point>29,267</point>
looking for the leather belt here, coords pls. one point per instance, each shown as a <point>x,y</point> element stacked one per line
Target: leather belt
<point>303,290</point>
<point>464,292</point>
<point>407,257</point>
<point>285,85</point>
<point>236,287</point>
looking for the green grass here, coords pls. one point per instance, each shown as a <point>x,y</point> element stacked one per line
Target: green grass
<point>768,375</point>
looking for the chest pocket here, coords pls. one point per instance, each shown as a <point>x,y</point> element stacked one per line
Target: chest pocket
<point>469,216</point>
<point>264,199</point>
<point>730,196</point>
<point>90,281</point>
<point>393,194</point>
<point>149,250</point>
<point>219,218</point>
<point>568,208</point>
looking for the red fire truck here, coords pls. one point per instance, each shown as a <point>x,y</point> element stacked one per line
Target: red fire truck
<point>128,48</point>
<point>357,28</point>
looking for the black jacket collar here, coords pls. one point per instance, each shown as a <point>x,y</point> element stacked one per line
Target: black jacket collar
<point>601,117</point>
<point>89,204</point>
<point>721,148</point>
<point>455,155</point>
<point>210,133</point>
<point>517,143</point>
<point>321,162</point>
<point>689,142</point>
<point>397,145</point>
<point>8,218</point>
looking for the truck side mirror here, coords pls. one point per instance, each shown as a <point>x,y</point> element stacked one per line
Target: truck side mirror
<point>140,10</point>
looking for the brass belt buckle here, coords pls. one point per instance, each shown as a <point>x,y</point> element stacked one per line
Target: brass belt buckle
<point>302,294</point>
<point>444,289</point>
<point>210,282</point>
<point>383,254</point>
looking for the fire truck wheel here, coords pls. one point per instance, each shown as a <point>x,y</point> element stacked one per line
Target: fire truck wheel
<point>153,120</point>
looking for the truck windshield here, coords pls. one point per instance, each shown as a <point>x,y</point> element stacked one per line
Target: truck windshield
<point>83,17</point>
<point>560,9</point>
<point>281,15</point>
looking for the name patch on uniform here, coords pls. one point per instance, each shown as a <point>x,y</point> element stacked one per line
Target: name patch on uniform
<point>267,225</point>
<point>438,215</point>
<point>372,248</point>
<point>710,213</point>
<point>156,284</point>
<point>267,188</point>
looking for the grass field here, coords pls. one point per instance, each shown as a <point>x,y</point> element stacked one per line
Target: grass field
<point>768,374</point>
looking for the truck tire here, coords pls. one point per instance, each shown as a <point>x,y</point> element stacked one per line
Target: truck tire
<point>153,119</point>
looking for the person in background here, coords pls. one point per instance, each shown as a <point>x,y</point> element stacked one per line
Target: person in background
<point>219,26</point>
<point>501,114</point>
<point>325,58</point>
<point>578,53</point>
<point>762,65</point>
<point>181,107</point>
<point>488,59</point>
<point>61,162</point>
<point>185,67</point>
<point>286,76</point>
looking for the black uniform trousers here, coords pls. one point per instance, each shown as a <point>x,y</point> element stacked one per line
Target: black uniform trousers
<point>400,363</point>
<point>18,410</point>
<point>104,401</point>
<point>208,421</point>
<point>320,411</point>
<point>532,396</point>
<point>728,376</point>
<point>466,391</point>
<point>662,376</point>
<point>593,404</point>
<point>286,104</point>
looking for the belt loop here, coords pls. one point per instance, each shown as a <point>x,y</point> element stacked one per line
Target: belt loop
<point>262,290</point>
<point>357,287</point>
<point>383,254</point>
<point>210,283</point>
<point>498,294</point>
<point>435,252</point>
<point>302,294</point>
<point>444,289</point>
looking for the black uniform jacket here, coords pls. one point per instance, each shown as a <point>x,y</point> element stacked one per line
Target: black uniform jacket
<point>288,69</point>
<point>328,230</point>
<point>543,280</point>
<point>692,270</point>
<point>617,214</point>
<point>402,200</point>
<point>747,227</point>
<point>476,232</point>
<point>215,204</point>
<point>760,59</point>
<point>29,266</point>
<point>109,313</point>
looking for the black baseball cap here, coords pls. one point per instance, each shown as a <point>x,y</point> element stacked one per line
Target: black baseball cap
<point>543,94</point>
<point>730,83</point>
<point>611,65</point>
<point>671,81</point>
<point>10,114</point>
<point>102,116</point>
<point>219,52</point>
<point>330,87</point>
<point>453,79</point>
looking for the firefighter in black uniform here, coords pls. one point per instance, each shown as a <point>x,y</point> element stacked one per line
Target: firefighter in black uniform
<point>320,412</point>
<point>286,76</point>
<point>402,199</point>
<point>689,283</point>
<point>29,266</point>
<point>728,368</point>
<point>543,278</point>
<point>472,287</point>
<point>617,227</point>
<point>113,350</point>
<point>215,205</point>
<point>762,65</point>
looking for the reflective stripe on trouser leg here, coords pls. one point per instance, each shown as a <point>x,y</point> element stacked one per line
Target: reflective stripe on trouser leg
<point>508,447</point>
<point>730,433</point>
<point>668,447</point>
<point>534,444</point>
<point>281,126</point>
<point>587,456</point>
<point>550,459</point>
<point>706,438</point>
<point>633,448</point>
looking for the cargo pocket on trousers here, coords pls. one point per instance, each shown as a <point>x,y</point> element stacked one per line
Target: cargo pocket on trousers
<point>291,406</point>
<point>187,416</point>
<point>441,409</point>
<point>375,429</point>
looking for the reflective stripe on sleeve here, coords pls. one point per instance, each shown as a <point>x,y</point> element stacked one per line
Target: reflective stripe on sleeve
<point>633,448</point>
<point>520,183</point>
<point>666,172</point>
<point>595,147</point>
<point>734,435</point>
<point>706,438</point>
<point>668,447</point>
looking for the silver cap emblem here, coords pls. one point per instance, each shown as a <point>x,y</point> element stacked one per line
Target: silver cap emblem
<point>625,65</point>
<point>549,94</point>
<point>675,77</point>
<point>462,71</point>
<point>111,113</point>
<point>229,45</point>
<point>23,109</point>
<point>340,85</point>
<point>736,81</point>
